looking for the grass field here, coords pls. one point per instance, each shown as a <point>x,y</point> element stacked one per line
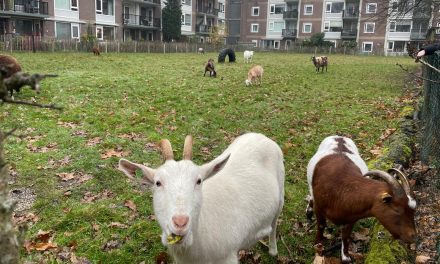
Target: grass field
<point>123,104</point>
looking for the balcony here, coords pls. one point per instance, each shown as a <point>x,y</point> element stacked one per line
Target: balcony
<point>27,8</point>
<point>332,35</point>
<point>418,35</point>
<point>350,14</point>
<point>140,21</point>
<point>289,33</point>
<point>292,14</point>
<point>348,34</point>
<point>205,29</point>
<point>155,2</point>
<point>207,10</point>
<point>187,2</point>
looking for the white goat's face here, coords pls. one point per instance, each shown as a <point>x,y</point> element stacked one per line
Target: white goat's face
<point>177,191</point>
<point>177,197</point>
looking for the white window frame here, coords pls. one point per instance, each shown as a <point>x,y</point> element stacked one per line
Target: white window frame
<point>304,27</point>
<point>392,46</point>
<point>253,11</point>
<point>326,26</point>
<point>367,10</point>
<point>367,43</point>
<point>369,23</point>
<point>126,15</point>
<point>271,25</point>
<point>74,7</point>
<point>275,45</point>
<point>102,32</point>
<point>72,25</point>
<point>221,7</point>
<point>305,10</point>
<point>437,31</point>
<point>272,9</point>
<point>327,5</point>
<point>252,28</point>
<point>392,26</point>
<point>98,11</point>
<point>255,42</point>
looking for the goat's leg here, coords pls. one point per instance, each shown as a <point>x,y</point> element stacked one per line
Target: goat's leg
<point>309,209</point>
<point>346,232</point>
<point>321,223</point>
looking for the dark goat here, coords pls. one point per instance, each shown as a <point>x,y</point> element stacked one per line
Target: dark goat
<point>341,193</point>
<point>20,79</point>
<point>96,51</point>
<point>209,67</point>
<point>320,62</point>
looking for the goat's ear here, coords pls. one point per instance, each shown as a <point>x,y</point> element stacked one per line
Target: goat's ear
<point>130,168</point>
<point>386,198</point>
<point>211,168</point>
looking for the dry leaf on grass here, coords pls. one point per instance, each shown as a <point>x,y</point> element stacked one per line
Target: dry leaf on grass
<point>130,204</point>
<point>113,153</point>
<point>422,259</point>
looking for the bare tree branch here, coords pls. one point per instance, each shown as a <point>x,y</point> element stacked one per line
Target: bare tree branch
<point>51,106</point>
<point>415,75</point>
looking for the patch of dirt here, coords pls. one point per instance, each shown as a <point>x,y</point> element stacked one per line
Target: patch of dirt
<point>25,198</point>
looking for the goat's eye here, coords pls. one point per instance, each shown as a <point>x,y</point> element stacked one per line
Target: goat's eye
<point>199,181</point>
<point>158,184</point>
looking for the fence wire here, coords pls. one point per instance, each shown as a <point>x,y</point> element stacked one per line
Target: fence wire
<point>430,152</point>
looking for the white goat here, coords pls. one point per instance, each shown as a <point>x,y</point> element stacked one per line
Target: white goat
<point>254,74</point>
<point>220,207</point>
<point>248,54</point>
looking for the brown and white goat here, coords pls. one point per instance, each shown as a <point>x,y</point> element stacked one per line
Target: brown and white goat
<point>209,67</point>
<point>341,193</point>
<point>320,62</point>
<point>255,74</point>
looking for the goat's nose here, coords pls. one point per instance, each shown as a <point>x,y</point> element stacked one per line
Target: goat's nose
<point>180,221</point>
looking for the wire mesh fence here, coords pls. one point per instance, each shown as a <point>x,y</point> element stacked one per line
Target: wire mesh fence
<point>430,151</point>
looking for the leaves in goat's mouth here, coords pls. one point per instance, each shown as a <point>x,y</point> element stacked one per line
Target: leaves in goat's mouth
<point>173,239</point>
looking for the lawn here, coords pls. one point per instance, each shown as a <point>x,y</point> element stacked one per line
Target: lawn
<point>123,104</point>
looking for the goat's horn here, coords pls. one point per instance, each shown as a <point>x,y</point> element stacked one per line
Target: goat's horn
<point>404,179</point>
<point>167,151</point>
<point>397,188</point>
<point>187,148</point>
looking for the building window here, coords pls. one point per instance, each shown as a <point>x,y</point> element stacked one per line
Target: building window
<point>74,5</point>
<point>276,44</point>
<point>437,31</point>
<point>221,7</point>
<point>63,30</point>
<point>326,26</point>
<point>255,11</point>
<point>104,7</point>
<point>186,19</point>
<point>307,28</point>
<point>126,13</point>
<point>334,7</point>
<point>75,30</point>
<point>367,46</point>
<point>254,28</point>
<point>277,9</point>
<point>396,46</point>
<point>393,26</point>
<point>99,33</point>
<point>369,27</point>
<point>271,25</point>
<point>371,8</point>
<point>328,7</point>
<point>308,10</point>
<point>255,42</point>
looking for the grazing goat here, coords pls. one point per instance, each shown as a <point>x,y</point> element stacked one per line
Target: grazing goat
<point>340,192</point>
<point>320,62</point>
<point>254,74</point>
<point>96,51</point>
<point>201,51</point>
<point>20,79</point>
<point>208,213</point>
<point>209,67</point>
<point>248,56</point>
<point>11,64</point>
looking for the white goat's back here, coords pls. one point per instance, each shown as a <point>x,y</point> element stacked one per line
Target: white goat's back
<point>242,200</point>
<point>248,56</point>
<point>328,147</point>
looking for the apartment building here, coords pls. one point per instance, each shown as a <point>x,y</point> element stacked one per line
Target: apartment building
<point>23,17</point>
<point>141,20</point>
<point>380,27</point>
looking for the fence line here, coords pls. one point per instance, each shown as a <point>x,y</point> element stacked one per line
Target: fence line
<point>37,43</point>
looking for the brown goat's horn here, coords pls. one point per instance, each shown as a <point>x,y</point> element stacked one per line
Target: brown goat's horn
<point>397,188</point>
<point>404,179</point>
<point>187,148</point>
<point>167,151</point>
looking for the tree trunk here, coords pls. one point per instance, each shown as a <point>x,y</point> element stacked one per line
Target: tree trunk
<point>8,238</point>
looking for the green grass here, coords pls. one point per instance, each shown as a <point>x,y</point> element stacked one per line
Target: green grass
<point>165,96</point>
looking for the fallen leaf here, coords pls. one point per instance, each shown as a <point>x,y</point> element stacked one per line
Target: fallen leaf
<point>110,245</point>
<point>93,141</point>
<point>130,204</point>
<point>66,176</point>
<point>113,153</point>
<point>422,259</point>
<point>118,225</point>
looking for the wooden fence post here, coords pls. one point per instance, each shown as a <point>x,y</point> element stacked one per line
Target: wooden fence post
<point>118,47</point>
<point>164,47</point>
<point>148,47</point>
